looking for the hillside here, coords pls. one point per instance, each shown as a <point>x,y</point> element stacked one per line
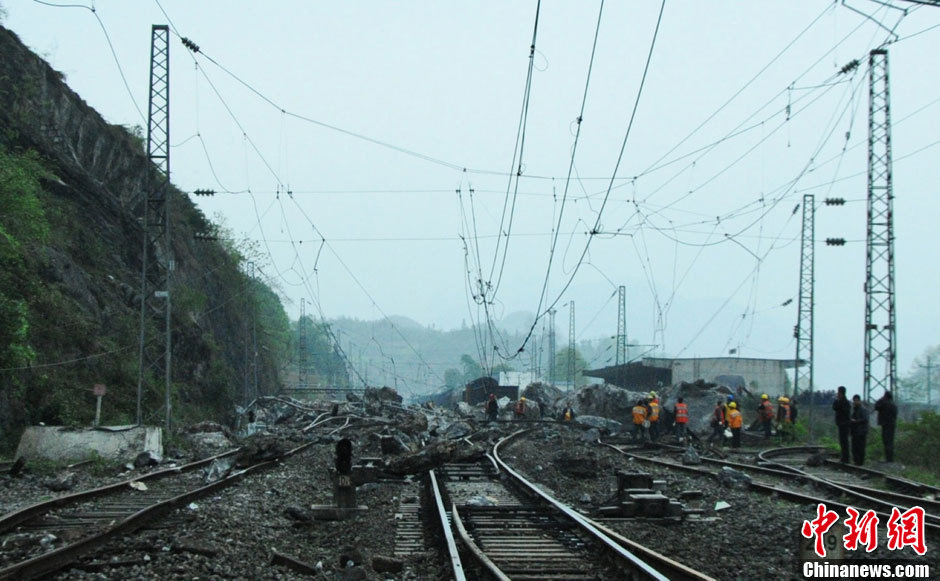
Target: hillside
<point>72,189</point>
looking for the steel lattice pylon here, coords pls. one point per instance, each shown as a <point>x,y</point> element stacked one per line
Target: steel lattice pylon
<point>302,346</point>
<point>803,331</point>
<point>551,346</point>
<point>880,324</point>
<point>157,257</point>
<point>621,346</point>
<point>571,358</point>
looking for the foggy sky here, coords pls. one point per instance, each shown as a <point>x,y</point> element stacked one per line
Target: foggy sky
<point>705,237</point>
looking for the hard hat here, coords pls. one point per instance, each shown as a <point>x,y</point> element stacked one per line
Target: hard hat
<point>782,399</point>
<point>730,397</point>
<point>765,396</point>
<point>732,405</point>
<point>522,399</point>
<point>786,399</point>
<point>652,394</point>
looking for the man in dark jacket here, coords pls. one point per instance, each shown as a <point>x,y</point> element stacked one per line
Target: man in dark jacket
<point>492,408</point>
<point>843,410</point>
<point>888,420</point>
<point>859,429</point>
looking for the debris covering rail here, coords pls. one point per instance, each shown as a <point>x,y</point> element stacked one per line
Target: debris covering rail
<point>792,495</point>
<point>125,517</point>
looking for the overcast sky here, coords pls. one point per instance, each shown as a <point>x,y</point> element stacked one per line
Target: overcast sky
<point>743,111</point>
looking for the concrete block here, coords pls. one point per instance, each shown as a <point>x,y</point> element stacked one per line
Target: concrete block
<point>65,444</point>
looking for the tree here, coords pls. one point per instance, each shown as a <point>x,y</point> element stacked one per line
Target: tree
<point>471,369</point>
<point>913,386</point>
<point>561,366</point>
<point>453,378</point>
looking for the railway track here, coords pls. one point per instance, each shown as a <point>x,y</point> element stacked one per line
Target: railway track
<point>79,524</point>
<point>511,529</point>
<point>881,501</point>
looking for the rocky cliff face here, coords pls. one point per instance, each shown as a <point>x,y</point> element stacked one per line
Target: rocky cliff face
<point>83,299</point>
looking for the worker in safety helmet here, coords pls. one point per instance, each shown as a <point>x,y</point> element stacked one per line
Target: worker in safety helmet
<point>681,412</point>
<point>735,421</point>
<point>784,419</point>
<point>640,422</point>
<point>718,422</point>
<point>765,412</point>
<point>567,414</point>
<point>653,418</point>
<point>520,408</point>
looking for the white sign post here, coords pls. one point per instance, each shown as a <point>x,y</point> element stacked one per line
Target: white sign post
<point>99,391</point>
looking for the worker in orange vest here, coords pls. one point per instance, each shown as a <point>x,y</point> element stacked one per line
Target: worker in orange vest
<point>784,420</point>
<point>765,411</point>
<point>640,422</point>
<point>654,416</point>
<point>735,421</point>
<point>718,423</point>
<point>682,418</point>
<point>520,408</point>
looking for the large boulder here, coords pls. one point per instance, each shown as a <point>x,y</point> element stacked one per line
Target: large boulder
<point>605,400</point>
<point>544,394</point>
<point>605,424</point>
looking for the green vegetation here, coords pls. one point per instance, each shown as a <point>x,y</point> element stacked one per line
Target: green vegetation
<point>22,221</point>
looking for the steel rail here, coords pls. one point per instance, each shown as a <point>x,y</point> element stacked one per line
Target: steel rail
<point>454,556</point>
<point>54,560</point>
<point>639,566</point>
<point>761,487</point>
<point>885,495</point>
<point>867,497</point>
<point>473,548</point>
<point>17,517</point>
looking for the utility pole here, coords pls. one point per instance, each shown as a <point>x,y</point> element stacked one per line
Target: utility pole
<point>302,347</point>
<point>803,331</point>
<point>880,373</point>
<point>929,368</point>
<point>551,347</point>
<point>156,269</point>
<point>571,359</point>
<point>621,346</point>
<point>254,328</point>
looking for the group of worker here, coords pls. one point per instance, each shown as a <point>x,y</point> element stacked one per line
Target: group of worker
<point>647,418</point>
<point>726,415</point>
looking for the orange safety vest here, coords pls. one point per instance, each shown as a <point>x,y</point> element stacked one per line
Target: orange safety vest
<point>719,414</point>
<point>767,410</point>
<point>786,412</point>
<point>654,411</point>
<point>639,414</point>
<point>734,419</point>
<point>682,413</point>
<point>568,416</point>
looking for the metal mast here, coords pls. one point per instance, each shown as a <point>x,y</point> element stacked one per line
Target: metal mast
<point>157,257</point>
<point>880,373</point>
<point>621,346</point>
<point>551,346</point>
<point>302,347</point>
<point>571,359</point>
<point>803,331</point>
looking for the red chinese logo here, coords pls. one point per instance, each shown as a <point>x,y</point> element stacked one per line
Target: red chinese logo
<point>906,529</point>
<point>864,531</point>
<point>819,526</point>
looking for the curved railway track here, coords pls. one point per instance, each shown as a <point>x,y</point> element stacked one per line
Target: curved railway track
<point>512,529</point>
<point>881,501</point>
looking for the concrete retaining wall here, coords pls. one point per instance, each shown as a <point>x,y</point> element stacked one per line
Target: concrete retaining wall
<point>64,444</point>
